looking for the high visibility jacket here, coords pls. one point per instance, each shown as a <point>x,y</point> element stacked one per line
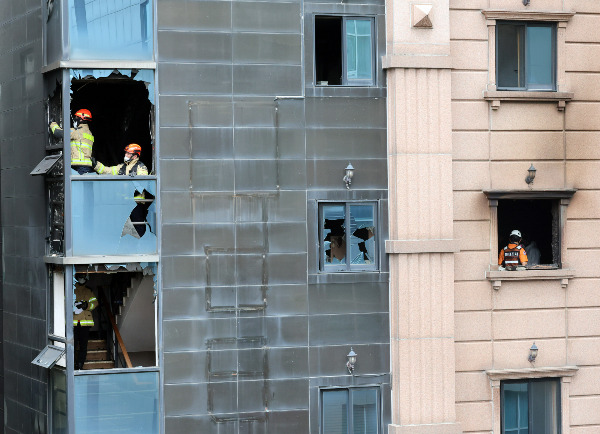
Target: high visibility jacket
<point>512,255</point>
<point>82,143</point>
<point>135,167</point>
<point>85,318</point>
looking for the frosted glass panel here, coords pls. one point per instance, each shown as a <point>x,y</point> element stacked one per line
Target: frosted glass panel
<point>110,403</point>
<point>111,29</point>
<point>113,217</point>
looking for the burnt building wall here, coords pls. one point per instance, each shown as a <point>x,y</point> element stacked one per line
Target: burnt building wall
<point>249,146</point>
<point>23,216</point>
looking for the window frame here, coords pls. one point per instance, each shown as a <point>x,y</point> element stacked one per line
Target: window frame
<point>346,82</point>
<point>529,381</point>
<point>526,25</point>
<point>348,267</point>
<point>350,417</point>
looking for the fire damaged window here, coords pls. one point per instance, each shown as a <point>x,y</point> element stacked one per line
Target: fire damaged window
<point>113,316</point>
<point>348,236</point>
<point>344,51</point>
<point>538,220</point>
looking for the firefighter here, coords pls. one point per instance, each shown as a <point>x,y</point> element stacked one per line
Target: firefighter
<point>514,254</point>
<point>83,303</point>
<point>131,163</point>
<point>82,141</point>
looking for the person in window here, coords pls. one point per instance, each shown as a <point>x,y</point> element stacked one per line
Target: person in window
<point>513,255</point>
<point>83,304</point>
<point>82,141</point>
<point>131,164</point>
<point>533,254</point>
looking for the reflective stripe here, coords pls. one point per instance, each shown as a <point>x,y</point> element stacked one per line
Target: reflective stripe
<point>88,136</point>
<point>54,128</point>
<point>84,322</point>
<point>81,144</point>
<point>115,170</point>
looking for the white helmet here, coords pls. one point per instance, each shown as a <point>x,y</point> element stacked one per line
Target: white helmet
<point>516,232</point>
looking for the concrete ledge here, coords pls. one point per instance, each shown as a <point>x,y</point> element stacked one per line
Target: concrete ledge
<point>496,277</point>
<point>438,428</point>
<point>421,246</point>
<point>416,62</point>
<point>517,374</point>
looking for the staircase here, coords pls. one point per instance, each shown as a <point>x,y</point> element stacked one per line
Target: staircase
<point>98,356</point>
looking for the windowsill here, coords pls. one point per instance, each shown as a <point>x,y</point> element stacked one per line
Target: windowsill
<point>495,96</point>
<point>348,277</point>
<point>496,277</point>
<point>100,259</point>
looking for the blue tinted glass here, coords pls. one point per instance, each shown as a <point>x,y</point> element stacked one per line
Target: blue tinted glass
<point>335,411</point>
<point>114,217</point>
<point>123,403</point>
<point>364,411</point>
<point>334,234</point>
<point>539,64</point>
<point>359,49</point>
<point>53,37</point>
<point>362,234</point>
<point>111,29</point>
<point>515,406</point>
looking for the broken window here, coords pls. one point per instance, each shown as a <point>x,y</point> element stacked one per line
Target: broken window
<point>111,29</point>
<point>344,48</point>
<point>122,107</point>
<point>538,220</point>
<point>114,304</point>
<point>348,236</point>
<point>113,217</point>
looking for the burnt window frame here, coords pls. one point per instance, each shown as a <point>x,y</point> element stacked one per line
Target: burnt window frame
<point>530,403</point>
<point>525,55</point>
<point>349,401</point>
<point>345,81</point>
<point>348,267</point>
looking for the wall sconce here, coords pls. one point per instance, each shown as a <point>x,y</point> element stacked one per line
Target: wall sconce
<point>526,2</point>
<point>531,175</point>
<point>348,176</point>
<point>351,360</point>
<point>532,353</point>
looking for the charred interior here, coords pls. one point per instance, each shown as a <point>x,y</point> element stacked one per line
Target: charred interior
<point>538,221</point>
<point>123,334</point>
<point>121,114</point>
<point>328,50</point>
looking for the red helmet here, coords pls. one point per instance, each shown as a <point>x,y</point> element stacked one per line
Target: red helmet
<point>84,114</point>
<point>134,148</point>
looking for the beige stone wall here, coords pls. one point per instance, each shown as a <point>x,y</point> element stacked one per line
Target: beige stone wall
<point>492,149</point>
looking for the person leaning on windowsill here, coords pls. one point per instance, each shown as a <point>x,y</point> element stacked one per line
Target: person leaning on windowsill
<point>130,166</point>
<point>513,256</point>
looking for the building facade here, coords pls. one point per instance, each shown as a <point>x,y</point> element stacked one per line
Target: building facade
<point>235,278</point>
<point>478,93</point>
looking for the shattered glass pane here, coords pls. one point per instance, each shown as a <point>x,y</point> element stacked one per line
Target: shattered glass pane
<point>113,217</point>
<point>111,29</point>
<point>334,234</point>
<point>362,228</point>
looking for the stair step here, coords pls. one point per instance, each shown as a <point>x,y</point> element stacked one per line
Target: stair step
<point>99,364</point>
<point>96,344</point>
<point>98,355</point>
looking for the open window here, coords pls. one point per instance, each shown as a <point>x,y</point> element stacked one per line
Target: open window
<point>344,51</point>
<point>122,331</point>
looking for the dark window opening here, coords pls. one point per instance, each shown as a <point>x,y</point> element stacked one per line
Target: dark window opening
<point>531,406</point>
<point>121,114</point>
<point>526,56</point>
<point>539,223</point>
<point>120,327</point>
<point>344,48</point>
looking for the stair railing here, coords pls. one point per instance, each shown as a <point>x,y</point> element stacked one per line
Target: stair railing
<point>113,323</point>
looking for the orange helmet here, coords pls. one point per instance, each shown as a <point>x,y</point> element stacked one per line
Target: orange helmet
<point>84,114</point>
<point>134,148</point>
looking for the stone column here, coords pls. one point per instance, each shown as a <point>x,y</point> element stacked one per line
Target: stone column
<point>421,246</point>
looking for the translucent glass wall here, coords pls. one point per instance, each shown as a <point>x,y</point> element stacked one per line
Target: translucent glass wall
<point>123,403</point>
<point>113,217</point>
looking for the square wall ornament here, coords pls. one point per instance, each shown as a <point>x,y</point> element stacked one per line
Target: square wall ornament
<point>421,16</point>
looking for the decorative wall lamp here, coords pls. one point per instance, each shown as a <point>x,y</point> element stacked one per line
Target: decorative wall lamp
<point>531,175</point>
<point>348,176</point>
<point>532,353</point>
<point>526,2</point>
<point>351,360</point>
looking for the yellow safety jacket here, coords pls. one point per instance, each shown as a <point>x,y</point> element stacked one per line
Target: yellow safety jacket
<point>85,318</point>
<point>82,142</point>
<point>135,167</point>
